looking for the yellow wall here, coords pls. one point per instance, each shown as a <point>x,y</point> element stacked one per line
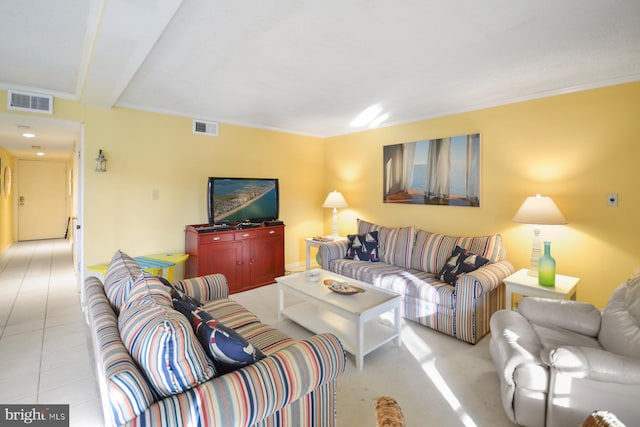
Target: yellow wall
<point>6,204</point>
<point>148,151</point>
<point>575,148</point>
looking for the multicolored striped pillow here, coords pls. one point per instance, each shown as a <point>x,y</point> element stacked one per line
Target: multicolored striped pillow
<point>121,273</point>
<point>432,250</point>
<point>395,244</point>
<point>164,345</point>
<point>147,286</point>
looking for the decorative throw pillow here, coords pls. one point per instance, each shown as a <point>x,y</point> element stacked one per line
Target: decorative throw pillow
<point>363,247</point>
<point>144,286</point>
<point>163,344</point>
<point>395,244</point>
<point>461,262</point>
<point>121,273</point>
<point>179,294</point>
<point>227,349</point>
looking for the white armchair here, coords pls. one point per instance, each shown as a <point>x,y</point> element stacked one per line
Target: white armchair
<point>559,361</point>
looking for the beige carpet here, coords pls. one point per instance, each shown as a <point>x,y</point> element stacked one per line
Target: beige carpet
<point>436,379</point>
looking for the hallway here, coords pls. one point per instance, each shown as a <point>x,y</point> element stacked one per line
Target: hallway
<point>45,347</point>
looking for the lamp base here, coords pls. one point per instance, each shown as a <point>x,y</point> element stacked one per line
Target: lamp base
<point>536,253</point>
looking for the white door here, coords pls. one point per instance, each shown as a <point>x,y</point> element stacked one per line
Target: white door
<point>42,199</point>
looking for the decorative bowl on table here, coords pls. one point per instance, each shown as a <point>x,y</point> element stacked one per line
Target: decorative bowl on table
<point>342,288</point>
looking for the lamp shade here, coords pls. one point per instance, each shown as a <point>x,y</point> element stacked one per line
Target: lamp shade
<point>335,199</point>
<point>539,210</point>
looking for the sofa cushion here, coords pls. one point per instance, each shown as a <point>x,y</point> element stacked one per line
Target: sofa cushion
<point>461,262</point>
<point>121,273</point>
<point>365,271</point>
<point>487,246</point>
<point>432,250</point>
<point>363,247</point>
<point>144,286</point>
<point>394,244</point>
<point>230,313</point>
<point>164,345</point>
<point>268,339</point>
<point>179,294</point>
<point>419,285</point>
<point>226,348</point>
<point>618,330</point>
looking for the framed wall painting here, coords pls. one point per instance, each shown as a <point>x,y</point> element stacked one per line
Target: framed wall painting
<point>440,171</point>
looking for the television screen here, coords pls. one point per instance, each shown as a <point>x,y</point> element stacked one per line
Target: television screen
<point>233,200</point>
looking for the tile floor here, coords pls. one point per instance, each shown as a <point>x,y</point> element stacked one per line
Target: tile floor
<point>45,348</point>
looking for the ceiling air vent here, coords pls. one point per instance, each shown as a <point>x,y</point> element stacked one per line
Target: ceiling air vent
<point>205,128</point>
<point>24,101</point>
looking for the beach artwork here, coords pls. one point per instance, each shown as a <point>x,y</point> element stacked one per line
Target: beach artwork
<point>440,171</point>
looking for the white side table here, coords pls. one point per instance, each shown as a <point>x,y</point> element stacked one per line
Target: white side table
<point>316,244</point>
<point>521,283</point>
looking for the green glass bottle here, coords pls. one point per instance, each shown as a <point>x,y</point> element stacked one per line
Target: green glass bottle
<point>547,267</point>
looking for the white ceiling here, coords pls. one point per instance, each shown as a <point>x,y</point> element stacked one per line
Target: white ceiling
<point>311,67</point>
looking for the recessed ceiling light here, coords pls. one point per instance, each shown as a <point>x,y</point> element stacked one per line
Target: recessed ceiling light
<point>367,116</point>
<point>378,120</point>
<point>39,153</point>
<point>29,135</point>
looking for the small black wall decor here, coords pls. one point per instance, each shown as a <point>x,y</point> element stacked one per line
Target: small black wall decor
<point>440,171</point>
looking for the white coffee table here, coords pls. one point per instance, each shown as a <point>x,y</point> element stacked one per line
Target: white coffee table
<point>354,319</point>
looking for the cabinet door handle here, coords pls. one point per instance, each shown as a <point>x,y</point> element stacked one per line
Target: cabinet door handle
<point>272,232</point>
<point>215,238</point>
<point>246,235</point>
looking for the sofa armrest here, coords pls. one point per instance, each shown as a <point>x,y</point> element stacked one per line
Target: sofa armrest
<point>575,316</point>
<point>249,395</point>
<point>332,250</point>
<point>486,278</point>
<point>595,364</point>
<point>205,288</point>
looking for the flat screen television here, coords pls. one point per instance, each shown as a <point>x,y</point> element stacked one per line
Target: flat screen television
<point>236,200</point>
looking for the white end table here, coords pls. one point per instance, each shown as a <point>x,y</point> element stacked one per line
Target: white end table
<point>316,244</point>
<point>521,283</point>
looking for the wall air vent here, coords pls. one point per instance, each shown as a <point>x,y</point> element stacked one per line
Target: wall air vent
<point>205,128</point>
<point>25,101</point>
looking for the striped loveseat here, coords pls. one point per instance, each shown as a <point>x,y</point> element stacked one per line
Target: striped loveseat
<point>294,385</point>
<point>410,261</point>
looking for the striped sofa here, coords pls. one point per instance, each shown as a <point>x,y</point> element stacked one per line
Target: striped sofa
<point>410,260</point>
<point>294,385</point>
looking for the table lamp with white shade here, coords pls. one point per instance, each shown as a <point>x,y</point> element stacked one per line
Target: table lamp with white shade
<point>335,200</point>
<point>537,211</point>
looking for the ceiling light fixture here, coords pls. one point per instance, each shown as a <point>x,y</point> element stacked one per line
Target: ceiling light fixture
<point>25,134</point>
<point>39,153</point>
<point>370,117</point>
<point>367,116</point>
<point>378,120</point>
